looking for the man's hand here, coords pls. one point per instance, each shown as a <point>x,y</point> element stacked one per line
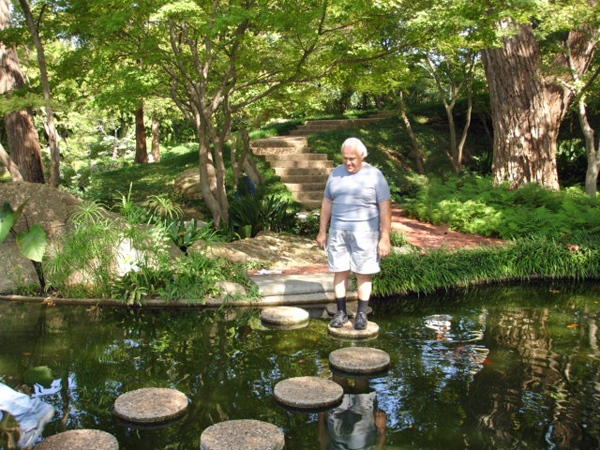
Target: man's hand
<point>322,239</point>
<point>383,249</point>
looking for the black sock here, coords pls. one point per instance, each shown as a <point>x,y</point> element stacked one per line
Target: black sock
<point>341,303</point>
<point>362,306</point>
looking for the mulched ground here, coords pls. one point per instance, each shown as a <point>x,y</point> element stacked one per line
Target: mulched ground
<point>421,235</point>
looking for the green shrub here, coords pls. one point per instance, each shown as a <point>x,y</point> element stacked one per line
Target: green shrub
<point>472,204</point>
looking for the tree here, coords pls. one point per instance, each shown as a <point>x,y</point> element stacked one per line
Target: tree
<point>220,57</point>
<point>49,122</point>
<point>453,75</point>
<point>528,100</point>
<point>141,150</point>
<point>580,89</point>
<point>23,142</point>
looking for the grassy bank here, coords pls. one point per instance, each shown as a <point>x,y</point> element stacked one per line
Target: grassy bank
<point>518,260</point>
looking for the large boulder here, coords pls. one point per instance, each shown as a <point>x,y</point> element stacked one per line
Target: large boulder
<point>51,209</point>
<point>188,185</point>
<point>279,250</point>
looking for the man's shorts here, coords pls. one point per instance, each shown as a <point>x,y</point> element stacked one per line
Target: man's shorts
<point>353,250</point>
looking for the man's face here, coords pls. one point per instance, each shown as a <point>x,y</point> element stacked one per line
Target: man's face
<point>353,159</point>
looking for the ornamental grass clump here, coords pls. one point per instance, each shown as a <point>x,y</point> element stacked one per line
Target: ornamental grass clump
<point>519,260</point>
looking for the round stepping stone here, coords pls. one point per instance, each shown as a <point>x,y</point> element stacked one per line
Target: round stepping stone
<point>308,393</point>
<point>284,317</point>
<point>347,331</point>
<point>242,434</point>
<point>350,309</point>
<point>80,440</point>
<point>359,360</point>
<point>150,405</point>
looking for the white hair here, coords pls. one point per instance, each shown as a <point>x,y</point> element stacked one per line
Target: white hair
<point>357,144</point>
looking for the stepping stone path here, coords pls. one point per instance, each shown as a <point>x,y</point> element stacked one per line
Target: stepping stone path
<point>359,360</point>
<point>80,440</point>
<point>150,405</point>
<point>309,393</point>
<point>347,331</point>
<point>242,434</point>
<point>284,317</point>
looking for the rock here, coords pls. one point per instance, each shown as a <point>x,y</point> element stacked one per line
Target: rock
<point>51,209</point>
<point>151,405</point>
<point>80,440</point>
<point>246,434</point>
<point>278,250</point>
<point>187,184</point>
<point>17,271</point>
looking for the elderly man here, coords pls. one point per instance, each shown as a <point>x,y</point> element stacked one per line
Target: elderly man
<point>357,202</point>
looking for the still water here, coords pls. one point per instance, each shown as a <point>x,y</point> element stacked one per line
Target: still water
<point>513,367</point>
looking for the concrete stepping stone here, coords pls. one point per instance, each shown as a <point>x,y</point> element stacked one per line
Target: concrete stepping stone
<point>150,405</point>
<point>310,393</point>
<point>359,360</point>
<point>80,440</point>
<point>347,331</point>
<point>287,317</point>
<point>242,434</point>
<point>350,309</point>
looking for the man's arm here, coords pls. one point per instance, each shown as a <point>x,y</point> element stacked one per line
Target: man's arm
<point>385,219</point>
<point>326,205</point>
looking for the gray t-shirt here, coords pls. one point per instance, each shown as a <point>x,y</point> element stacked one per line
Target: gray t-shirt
<point>356,197</point>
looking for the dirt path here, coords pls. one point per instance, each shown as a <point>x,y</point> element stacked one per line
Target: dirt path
<point>421,235</point>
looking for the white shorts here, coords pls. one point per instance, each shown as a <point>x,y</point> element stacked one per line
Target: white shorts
<point>353,250</point>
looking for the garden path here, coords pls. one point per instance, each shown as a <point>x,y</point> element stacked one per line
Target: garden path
<point>419,234</point>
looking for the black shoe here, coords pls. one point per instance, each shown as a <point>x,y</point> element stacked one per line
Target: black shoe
<point>339,319</point>
<point>360,321</point>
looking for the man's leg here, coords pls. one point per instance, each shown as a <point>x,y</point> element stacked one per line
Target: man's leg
<point>340,284</point>
<point>364,287</point>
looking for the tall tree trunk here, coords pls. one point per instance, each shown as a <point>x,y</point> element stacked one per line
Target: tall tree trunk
<point>593,155</point>
<point>527,106</point>
<point>23,141</point>
<point>49,123</point>
<point>155,140</point>
<point>141,150</point>
<point>413,140</point>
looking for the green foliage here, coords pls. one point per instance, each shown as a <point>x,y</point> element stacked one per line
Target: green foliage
<point>472,204</point>
<point>248,215</point>
<point>184,233</point>
<point>32,243</point>
<point>522,259</point>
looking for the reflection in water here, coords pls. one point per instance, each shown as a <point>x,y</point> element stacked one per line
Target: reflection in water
<point>356,424</point>
<point>494,368</point>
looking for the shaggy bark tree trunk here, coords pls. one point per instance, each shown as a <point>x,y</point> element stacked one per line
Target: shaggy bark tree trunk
<point>528,106</point>
<point>141,150</point>
<point>23,141</point>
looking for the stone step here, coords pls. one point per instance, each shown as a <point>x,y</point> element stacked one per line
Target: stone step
<point>323,164</point>
<point>284,172</point>
<point>303,179</point>
<point>261,151</point>
<point>305,187</point>
<point>309,196</point>
<point>280,141</point>
<point>274,159</point>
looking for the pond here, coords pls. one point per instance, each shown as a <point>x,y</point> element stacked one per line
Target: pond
<point>489,368</point>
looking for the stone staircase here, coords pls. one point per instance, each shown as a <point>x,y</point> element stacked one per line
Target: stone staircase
<point>304,173</point>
